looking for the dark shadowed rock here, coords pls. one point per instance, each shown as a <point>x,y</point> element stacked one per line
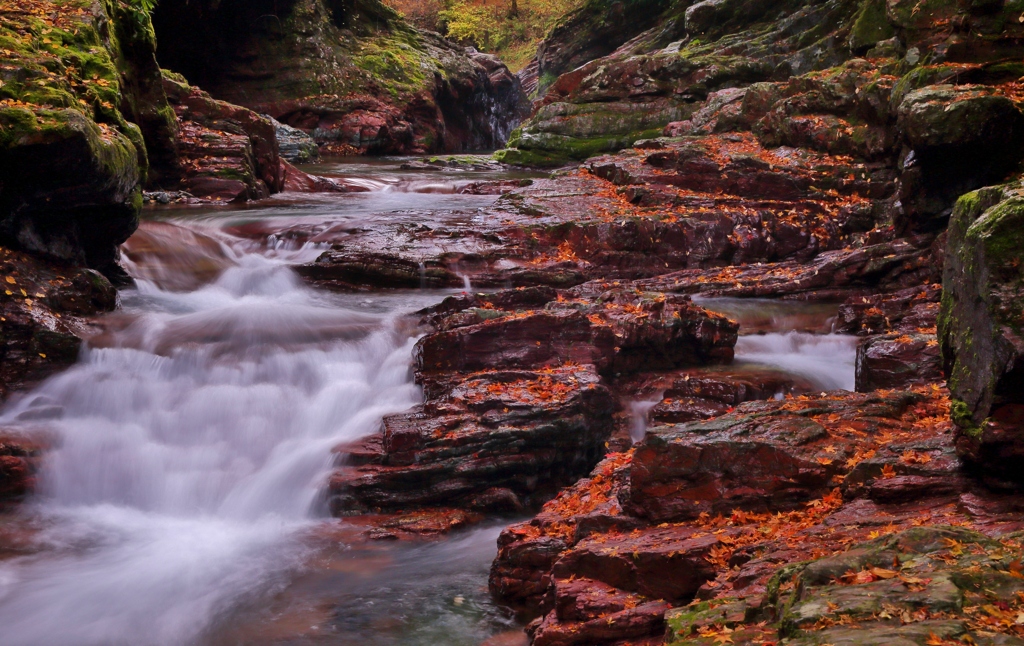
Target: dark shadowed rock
<point>960,138</point>
<point>44,312</point>
<point>980,327</point>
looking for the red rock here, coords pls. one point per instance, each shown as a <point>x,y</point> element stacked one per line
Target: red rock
<point>227,153</point>
<point>668,563</point>
<point>46,316</point>
<point>296,181</point>
<point>524,432</point>
<point>885,266</point>
<point>898,361</point>
<point>618,332</point>
<point>630,622</point>
<point>19,461</point>
<point>907,311</point>
<point>703,393</point>
<point>765,456</point>
<point>416,525</point>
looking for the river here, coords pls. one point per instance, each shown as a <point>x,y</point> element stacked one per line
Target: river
<point>182,502</point>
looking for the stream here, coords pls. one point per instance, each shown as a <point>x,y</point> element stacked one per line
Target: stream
<point>182,503</point>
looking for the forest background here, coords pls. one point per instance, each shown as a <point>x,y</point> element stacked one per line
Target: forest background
<point>510,29</point>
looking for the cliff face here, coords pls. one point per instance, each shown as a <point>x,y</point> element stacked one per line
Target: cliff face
<point>350,72</point>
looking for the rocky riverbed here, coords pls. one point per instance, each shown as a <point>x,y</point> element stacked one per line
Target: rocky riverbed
<point>724,346</point>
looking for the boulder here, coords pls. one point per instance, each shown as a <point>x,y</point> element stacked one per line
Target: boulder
<point>71,160</point>
<point>764,456</point>
<point>524,432</point>
<point>897,361</point>
<point>751,563</point>
<point>592,31</point>
<point>44,315</point>
<point>228,153</point>
<point>960,138</point>
<point>590,612</point>
<point>930,580</point>
<point>618,332</point>
<point>909,310</point>
<point>515,401</point>
<point>980,328</point>
<point>295,145</point>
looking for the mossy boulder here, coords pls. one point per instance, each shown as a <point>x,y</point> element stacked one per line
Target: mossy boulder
<point>70,186</point>
<point>870,27</point>
<point>79,107</point>
<point>981,328</point>
<point>960,138</point>
<point>923,584</point>
<point>667,73</point>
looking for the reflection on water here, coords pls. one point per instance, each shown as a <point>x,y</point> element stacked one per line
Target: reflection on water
<point>381,594</point>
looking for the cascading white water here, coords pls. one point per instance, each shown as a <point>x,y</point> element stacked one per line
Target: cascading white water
<point>190,447</point>
<point>194,436</point>
<point>827,361</point>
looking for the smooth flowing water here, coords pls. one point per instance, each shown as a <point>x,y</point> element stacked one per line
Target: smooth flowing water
<point>181,503</point>
<point>793,336</point>
<point>194,435</point>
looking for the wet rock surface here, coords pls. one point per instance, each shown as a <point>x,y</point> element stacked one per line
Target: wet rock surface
<point>516,398</point>
<point>19,462</point>
<point>698,204</point>
<point>44,315</point>
<point>835,470</point>
<point>801,151</point>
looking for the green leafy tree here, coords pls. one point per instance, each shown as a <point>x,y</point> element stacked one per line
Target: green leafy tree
<point>146,5</point>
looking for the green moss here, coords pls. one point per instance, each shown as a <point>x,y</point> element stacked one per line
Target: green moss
<point>682,623</point>
<point>397,62</point>
<point>559,150</point>
<point>545,81</point>
<point>65,69</point>
<point>913,14</point>
<point>870,26</point>
<point>1001,232</point>
<point>962,416</point>
<point>232,173</point>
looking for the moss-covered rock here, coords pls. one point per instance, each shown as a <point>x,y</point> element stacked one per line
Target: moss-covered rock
<point>961,138</point>
<point>870,26</point>
<point>927,583</point>
<point>78,111</point>
<point>592,31</point>
<point>667,73</point>
<point>981,327</point>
